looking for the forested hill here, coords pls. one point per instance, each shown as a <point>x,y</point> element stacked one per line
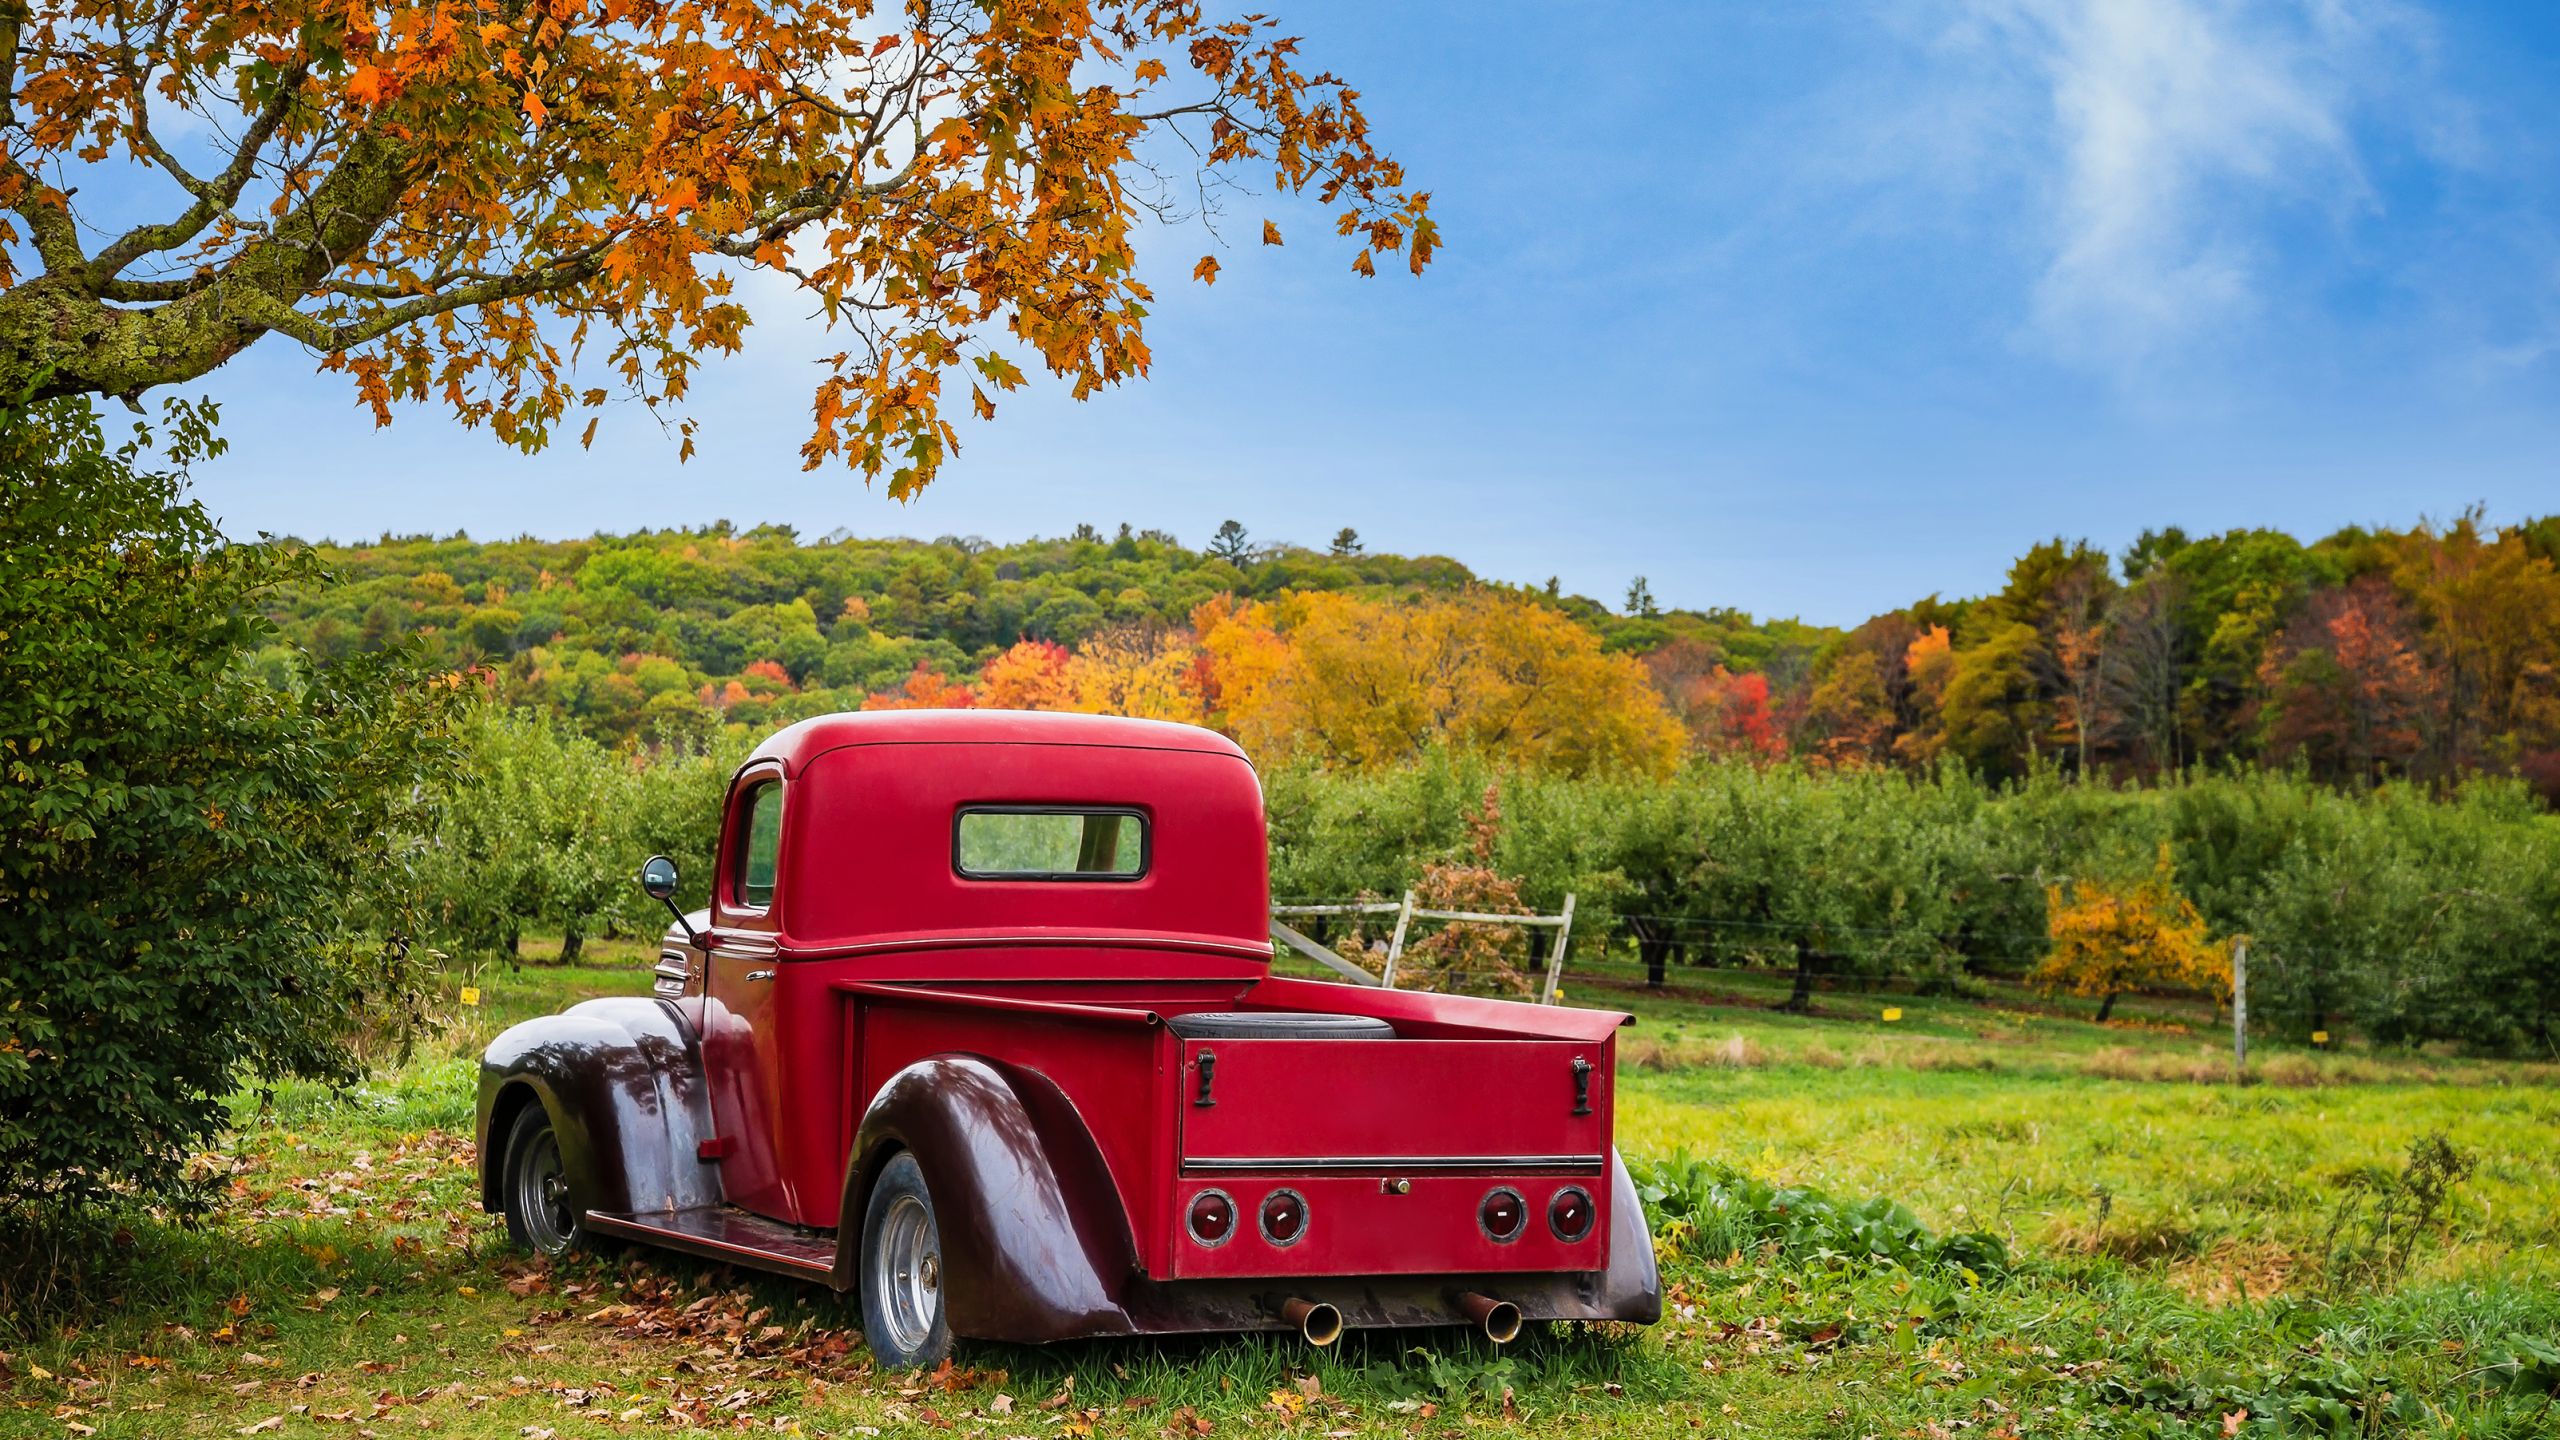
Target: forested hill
<point>631,635</point>
<point>2368,654</point>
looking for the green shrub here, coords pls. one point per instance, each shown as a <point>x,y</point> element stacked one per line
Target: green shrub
<point>1714,1209</point>
<point>202,873</point>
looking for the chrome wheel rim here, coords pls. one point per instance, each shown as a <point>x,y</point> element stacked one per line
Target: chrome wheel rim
<point>906,1273</point>
<point>542,1196</point>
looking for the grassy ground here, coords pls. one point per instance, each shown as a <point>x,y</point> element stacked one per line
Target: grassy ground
<point>2183,1258</point>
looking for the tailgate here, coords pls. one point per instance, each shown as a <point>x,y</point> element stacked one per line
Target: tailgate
<point>1401,1105</point>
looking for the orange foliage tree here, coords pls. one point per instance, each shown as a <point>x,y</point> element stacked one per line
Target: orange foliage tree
<point>1030,676</point>
<point>2108,939</point>
<point>2347,685</point>
<point>463,200</point>
<point>925,689</point>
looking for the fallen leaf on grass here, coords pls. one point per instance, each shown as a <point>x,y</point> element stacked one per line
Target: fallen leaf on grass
<point>272,1422</point>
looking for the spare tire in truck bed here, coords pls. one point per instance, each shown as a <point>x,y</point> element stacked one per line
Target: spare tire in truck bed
<point>1276,1025</point>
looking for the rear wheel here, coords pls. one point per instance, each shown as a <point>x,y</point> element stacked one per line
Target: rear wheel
<point>904,1318</point>
<point>542,1216</point>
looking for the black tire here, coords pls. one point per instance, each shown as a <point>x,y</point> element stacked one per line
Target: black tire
<point>905,1318</point>
<point>1277,1025</point>
<point>543,1215</point>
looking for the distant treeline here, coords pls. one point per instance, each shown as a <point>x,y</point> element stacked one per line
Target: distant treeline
<point>2424,653</point>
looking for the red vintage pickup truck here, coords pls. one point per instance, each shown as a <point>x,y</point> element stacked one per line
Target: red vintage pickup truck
<point>980,1024</point>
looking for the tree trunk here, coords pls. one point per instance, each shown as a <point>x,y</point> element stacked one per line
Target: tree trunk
<point>2106,1007</point>
<point>1800,1001</point>
<point>571,941</point>
<point>1656,955</point>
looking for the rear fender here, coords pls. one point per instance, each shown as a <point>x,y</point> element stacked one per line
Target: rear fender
<point>1035,1243</point>
<point>622,1079</point>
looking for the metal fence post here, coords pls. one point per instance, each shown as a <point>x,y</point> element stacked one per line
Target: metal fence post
<point>2240,1009</point>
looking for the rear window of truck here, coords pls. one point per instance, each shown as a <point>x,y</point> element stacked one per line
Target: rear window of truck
<point>991,842</point>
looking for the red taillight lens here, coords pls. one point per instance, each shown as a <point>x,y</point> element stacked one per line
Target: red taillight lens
<point>1284,1217</point>
<point>1503,1215</point>
<point>1213,1217</point>
<point>1570,1214</point>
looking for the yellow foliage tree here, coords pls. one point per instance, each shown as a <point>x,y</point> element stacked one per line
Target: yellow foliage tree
<point>1140,670</point>
<point>1241,650</point>
<point>1368,683</point>
<point>2109,939</point>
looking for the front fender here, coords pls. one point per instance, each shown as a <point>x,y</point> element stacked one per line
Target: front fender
<point>1035,1243</point>
<point>622,1079</point>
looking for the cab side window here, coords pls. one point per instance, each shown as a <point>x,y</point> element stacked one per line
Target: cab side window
<point>761,849</point>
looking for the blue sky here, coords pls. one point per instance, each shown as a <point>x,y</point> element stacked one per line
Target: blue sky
<point>1807,309</point>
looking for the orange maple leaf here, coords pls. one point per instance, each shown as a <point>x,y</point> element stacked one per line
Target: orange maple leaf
<point>1206,272</point>
<point>365,86</point>
<point>1270,233</point>
<point>534,107</point>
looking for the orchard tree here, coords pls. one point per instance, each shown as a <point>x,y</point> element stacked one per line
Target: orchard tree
<point>518,211</point>
<point>2108,939</point>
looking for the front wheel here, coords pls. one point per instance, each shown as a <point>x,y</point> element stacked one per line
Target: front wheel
<point>904,1319</point>
<point>541,1215</point>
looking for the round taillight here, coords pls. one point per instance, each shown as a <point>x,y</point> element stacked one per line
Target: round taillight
<point>1284,1217</point>
<point>1503,1215</point>
<point>1213,1218</point>
<point>1570,1214</point>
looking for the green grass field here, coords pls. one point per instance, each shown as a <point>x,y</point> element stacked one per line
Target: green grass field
<point>2185,1256</point>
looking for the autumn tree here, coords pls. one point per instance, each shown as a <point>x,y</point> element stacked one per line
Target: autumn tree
<point>1141,670</point>
<point>2492,611</point>
<point>2143,671</point>
<point>1240,649</point>
<point>925,688</point>
<point>2108,939</point>
<point>1032,675</point>
<point>518,211</point>
<point>1370,683</point>
<point>2347,686</point>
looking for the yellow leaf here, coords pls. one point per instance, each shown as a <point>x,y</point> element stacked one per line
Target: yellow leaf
<point>1206,272</point>
<point>1270,233</point>
<point>1150,71</point>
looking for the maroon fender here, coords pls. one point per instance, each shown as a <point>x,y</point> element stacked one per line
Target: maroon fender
<point>1034,1243</point>
<point>623,1083</point>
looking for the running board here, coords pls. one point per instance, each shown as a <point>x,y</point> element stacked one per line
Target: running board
<point>723,1232</point>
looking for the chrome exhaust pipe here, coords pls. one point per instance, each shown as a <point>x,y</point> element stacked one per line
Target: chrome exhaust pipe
<point>1318,1324</point>
<point>1497,1320</point>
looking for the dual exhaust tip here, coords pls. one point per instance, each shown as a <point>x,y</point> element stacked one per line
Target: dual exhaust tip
<point>1320,1324</point>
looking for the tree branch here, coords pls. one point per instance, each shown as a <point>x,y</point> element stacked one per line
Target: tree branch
<point>214,197</point>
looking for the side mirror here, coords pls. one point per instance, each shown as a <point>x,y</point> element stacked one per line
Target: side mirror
<point>658,878</point>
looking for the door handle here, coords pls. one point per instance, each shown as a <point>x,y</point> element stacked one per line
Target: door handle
<point>759,974</point>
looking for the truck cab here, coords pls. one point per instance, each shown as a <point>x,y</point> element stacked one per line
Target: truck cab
<point>980,1026</point>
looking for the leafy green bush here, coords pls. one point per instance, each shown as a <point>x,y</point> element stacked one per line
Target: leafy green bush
<point>1711,1208</point>
<point>203,876</point>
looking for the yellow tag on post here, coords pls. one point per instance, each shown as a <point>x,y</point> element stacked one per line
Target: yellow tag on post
<point>470,994</point>
<point>1892,1012</point>
<point>2319,1037</point>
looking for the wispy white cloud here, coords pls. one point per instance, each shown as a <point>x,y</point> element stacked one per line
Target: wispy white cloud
<point>2166,138</point>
